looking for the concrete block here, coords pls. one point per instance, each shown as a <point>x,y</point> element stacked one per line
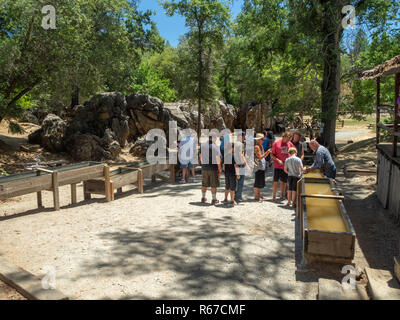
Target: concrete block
<point>333,290</point>
<point>26,283</point>
<point>382,285</point>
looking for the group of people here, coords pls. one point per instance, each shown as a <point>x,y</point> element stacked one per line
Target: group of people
<point>287,155</point>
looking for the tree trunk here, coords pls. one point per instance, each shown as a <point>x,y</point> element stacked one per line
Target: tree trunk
<point>75,97</point>
<point>330,90</point>
<point>200,93</point>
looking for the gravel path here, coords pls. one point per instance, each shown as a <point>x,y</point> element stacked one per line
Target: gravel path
<point>351,134</point>
<point>163,244</point>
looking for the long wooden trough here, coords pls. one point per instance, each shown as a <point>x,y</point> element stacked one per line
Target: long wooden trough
<point>327,232</point>
<point>133,174</point>
<point>43,179</point>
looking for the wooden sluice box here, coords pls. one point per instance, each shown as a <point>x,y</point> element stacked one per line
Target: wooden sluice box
<point>132,174</point>
<point>50,180</point>
<point>327,232</point>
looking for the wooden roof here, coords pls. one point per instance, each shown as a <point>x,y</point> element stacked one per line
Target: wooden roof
<point>389,67</point>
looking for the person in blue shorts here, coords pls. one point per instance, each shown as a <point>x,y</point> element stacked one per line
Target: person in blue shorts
<point>186,154</point>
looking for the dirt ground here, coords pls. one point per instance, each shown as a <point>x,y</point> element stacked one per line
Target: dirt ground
<point>8,293</point>
<point>165,244</point>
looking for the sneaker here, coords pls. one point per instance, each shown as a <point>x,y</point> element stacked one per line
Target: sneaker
<point>231,203</point>
<point>182,181</point>
<point>225,201</point>
<point>203,200</point>
<point>214,202</point>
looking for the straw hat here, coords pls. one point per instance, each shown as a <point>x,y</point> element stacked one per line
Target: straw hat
<point>259,136</point>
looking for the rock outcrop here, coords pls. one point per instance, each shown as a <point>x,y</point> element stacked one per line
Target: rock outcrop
<point>105,124</point>
<point>29,117</point>
<point>139,148</point>
<point>95,131</point>
<point>51,134</point>
<point>257,116</point>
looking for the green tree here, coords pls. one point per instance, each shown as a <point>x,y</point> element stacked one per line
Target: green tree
<point>95,46</point>
<point>147,80</point>
<point>321,21</point>
<point>208,22</point>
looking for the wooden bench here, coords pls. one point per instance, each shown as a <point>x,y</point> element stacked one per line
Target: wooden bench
<point>50,180</point>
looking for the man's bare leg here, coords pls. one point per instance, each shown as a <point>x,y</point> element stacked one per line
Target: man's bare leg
<point>274,190</point>
<point>289,198</point>
<point>184,174</point>
<point>294,198</point>
<point>256,193</point>
<point>203,192</point>
<point>226,194</point>
<point>283,189</point>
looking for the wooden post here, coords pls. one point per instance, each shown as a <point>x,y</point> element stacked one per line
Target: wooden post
<point>39,194</point>
<point>378,110</point>
<point>56,191</point>
<point>140,181</point>
<point>322,196</point>
<point>111,193</point>
<point>172,172</point>
<point>73,193</point>
<point>299,193</point>
<point>86,194</point>
<point>396,115</point>
<point>108,189</point>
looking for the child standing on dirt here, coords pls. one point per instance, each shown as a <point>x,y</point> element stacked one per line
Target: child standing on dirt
<point>294,168</point>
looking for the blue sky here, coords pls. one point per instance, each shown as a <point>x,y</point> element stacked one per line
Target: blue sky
<point>171,28</point>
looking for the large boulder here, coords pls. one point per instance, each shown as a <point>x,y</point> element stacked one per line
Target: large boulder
<point>29,117</point>
<point>99,129</point>
<point>51,135</point>
<point>85,147</point>
<point>228,113</point>
<point>255,116</point>
<point>103,111</point>
<point>186,113</point>
<point>139,148</point>
<point>146,113</point>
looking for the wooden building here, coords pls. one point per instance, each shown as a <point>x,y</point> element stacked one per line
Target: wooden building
<point>388,153</point>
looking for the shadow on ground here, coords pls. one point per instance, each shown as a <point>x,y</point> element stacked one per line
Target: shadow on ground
<point>205,254</point>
